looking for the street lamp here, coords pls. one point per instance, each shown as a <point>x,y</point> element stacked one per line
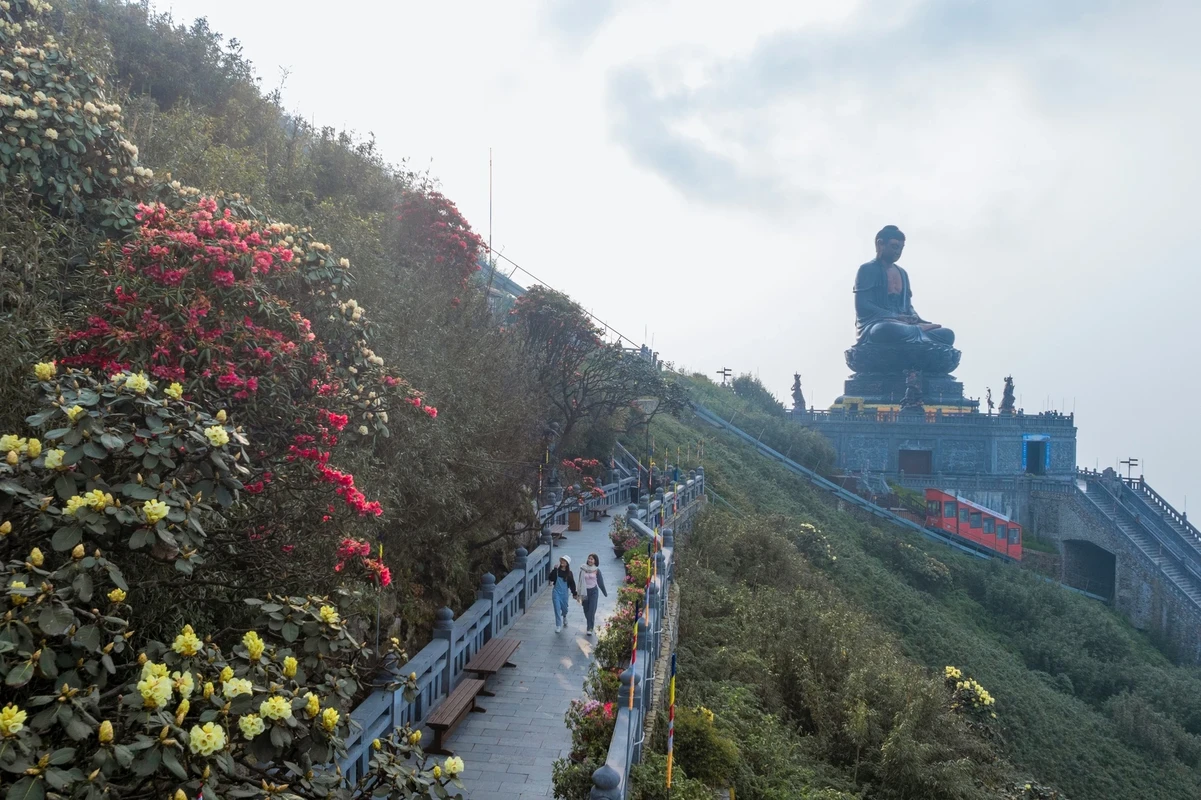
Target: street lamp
<point>647,406</point>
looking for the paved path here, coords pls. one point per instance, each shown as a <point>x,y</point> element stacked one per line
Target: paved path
<point>509,750</point>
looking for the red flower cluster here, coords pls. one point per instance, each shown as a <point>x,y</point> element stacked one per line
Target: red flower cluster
<point>434,231</point>
<point>349,549</point>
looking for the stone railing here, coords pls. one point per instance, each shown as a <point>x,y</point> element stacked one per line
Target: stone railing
<point>439,665</point>
<point>669,512</point>
<point>1046,419</point>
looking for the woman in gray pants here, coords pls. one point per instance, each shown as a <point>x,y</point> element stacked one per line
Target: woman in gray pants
<point>591,587</point>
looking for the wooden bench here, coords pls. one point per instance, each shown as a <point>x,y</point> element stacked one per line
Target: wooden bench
<point>596,512</point>
<point>491,659</point>
<point>451,711</point>
<point>558,532</point>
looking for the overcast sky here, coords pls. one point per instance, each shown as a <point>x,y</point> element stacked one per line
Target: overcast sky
<point>714,173</point>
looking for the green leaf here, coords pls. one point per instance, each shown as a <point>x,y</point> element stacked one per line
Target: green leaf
<point>83,586</point>
<point>140,538</point>
<point>28,788</point>
<point>46,663</point>
<point>39,419</point>
<point>148,762</point>
<point>78,730</point>
<point>172,763</point>
<point>55,620</point>
<point>62,756</point>
<point>88,637</point>
<point>123,755</point>
<point>138,492</point>
<point>64,487</point>
<point>112,442</point>
<point>94,450</point>
<point>66,538</point>
<point>20,674</point>
<point>290,631</point>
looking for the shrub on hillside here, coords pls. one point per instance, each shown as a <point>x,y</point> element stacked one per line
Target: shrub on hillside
<point>701,749</point>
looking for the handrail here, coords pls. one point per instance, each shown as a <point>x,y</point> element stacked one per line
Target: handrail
<point>638,691</point>
<point>973,418</point>
<point>439,665</point>
<point>1178,517</point>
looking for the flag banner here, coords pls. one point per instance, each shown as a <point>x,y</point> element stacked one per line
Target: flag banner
<point>671,719</point>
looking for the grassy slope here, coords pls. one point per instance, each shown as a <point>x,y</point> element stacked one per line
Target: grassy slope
<point>1056,662</point>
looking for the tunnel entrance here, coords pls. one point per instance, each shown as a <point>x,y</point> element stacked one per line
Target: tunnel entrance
<point>1089,567</point>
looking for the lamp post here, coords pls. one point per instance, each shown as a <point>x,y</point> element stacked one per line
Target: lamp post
<point>647,406</point>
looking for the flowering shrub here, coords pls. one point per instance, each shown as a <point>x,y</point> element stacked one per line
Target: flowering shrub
<point>969,697</point>
<point>622,536</point>
<point>432,231</point>
<point>119,470</point>
<point>708,755</point>
<point>814,544</point>
<point>356,552</point>
<point>591,723</point>
<point>61,138</point>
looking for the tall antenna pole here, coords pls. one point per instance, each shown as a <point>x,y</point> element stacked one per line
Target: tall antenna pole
<point>491,260</point>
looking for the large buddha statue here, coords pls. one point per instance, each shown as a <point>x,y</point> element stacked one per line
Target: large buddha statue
<point>892,338</point>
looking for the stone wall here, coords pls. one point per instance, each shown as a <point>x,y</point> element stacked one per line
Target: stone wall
<point>1142,593</point>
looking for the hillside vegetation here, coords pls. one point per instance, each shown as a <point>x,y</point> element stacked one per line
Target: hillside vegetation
<point>834,634</point>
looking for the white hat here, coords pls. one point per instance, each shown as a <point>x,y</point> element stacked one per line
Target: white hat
<point>567,559</point>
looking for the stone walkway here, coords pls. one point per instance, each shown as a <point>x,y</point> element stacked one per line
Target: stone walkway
<point>509,750</point>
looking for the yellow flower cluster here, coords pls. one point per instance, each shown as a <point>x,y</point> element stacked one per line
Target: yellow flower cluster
<point>17,599</point>
<point>289,667</point>
<point>105,733</point>
<point>187,643</point>
<point>75,412</point>
<point>236,686</point>
<point>155,690</point>
<point>251,725</point>
<point>453,766</point>
<point>116,596</point>
<point>12,720</point>
<point>254,645</point>
<point>36,558</point>
<point>276,707</point>
<point>952,673</point>
<point>329,615</point>
<point>174,391</point>
<point>312,704</point>
<point>54,459</point>
<point>95,500</point>
<point>184,683</point>
<point>329,719</point>
<point>206,739</point>
<point>138,383</point>
<point>154,510</point>
<point>217,435</point>
<point>45,370</point>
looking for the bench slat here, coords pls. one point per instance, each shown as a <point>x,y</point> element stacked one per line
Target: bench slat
<point>493,656</point>
<point>450,710</point>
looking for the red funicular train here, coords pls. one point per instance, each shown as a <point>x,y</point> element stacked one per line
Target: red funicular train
<point>950,513</point>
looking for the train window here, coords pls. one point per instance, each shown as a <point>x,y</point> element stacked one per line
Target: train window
<point>948,509</point>
<point>975,519</point>
<point>932,508</point>
<point>988,525</point>
<point>1013,535</point>
<point>963,512</point>
<point>1001,532</point>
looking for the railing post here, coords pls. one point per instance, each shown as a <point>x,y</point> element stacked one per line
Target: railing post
<point>444,628</point>
<point>659,495</point>
<point>521,560</point>
<point>631,512</point>
<point>488,592</point>
<point>606,784</point>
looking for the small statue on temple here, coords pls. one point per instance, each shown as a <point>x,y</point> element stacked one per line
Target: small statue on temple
<point>988,399</point>
<point>798,397</point>
<point>1007,402</point>
<point>912,401</point>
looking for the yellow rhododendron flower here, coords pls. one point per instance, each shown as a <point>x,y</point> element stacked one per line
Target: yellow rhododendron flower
<point>45,370</point>
<point>137,383</point>
<point>236,686</point>
<point>12,720</point>
<point>312,704</point>
<point>329,615</point>
<point>75,412</point>
<point>251,725</point>
<point>33,449</point>
<point>74,504</point>
<point>17,599</point>
<point>174,391</point>
<point>217,436</point>
<point>254,645</point>
<point>185,684</point>
<point>54,459</point>
<point>208,689</point>
<point>206,739</point>
<point>36,558</point>
<point>187,643</point>
<point>182,710</point>
<point>329,719</point>
<point>116,596</point>
<point>415,738</point>
<point>77,552</point>
<point>437,772</point>
<point>154,510</point>
<point>376,744</point>
<point>289,667</point>
<point>156,691</point>
<point>105,734</point>
<point>275,707</point>
<point>453,766</point>
<point>97,499</point>
<point>221,416</point>
<point>227,673</point>
<point>153,670</point>
<point>11,443</point>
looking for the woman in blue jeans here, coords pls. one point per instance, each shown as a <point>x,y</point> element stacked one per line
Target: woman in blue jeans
<point>562,584</point>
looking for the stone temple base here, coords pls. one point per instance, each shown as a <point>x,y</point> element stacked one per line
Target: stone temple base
<point>889,389</point>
